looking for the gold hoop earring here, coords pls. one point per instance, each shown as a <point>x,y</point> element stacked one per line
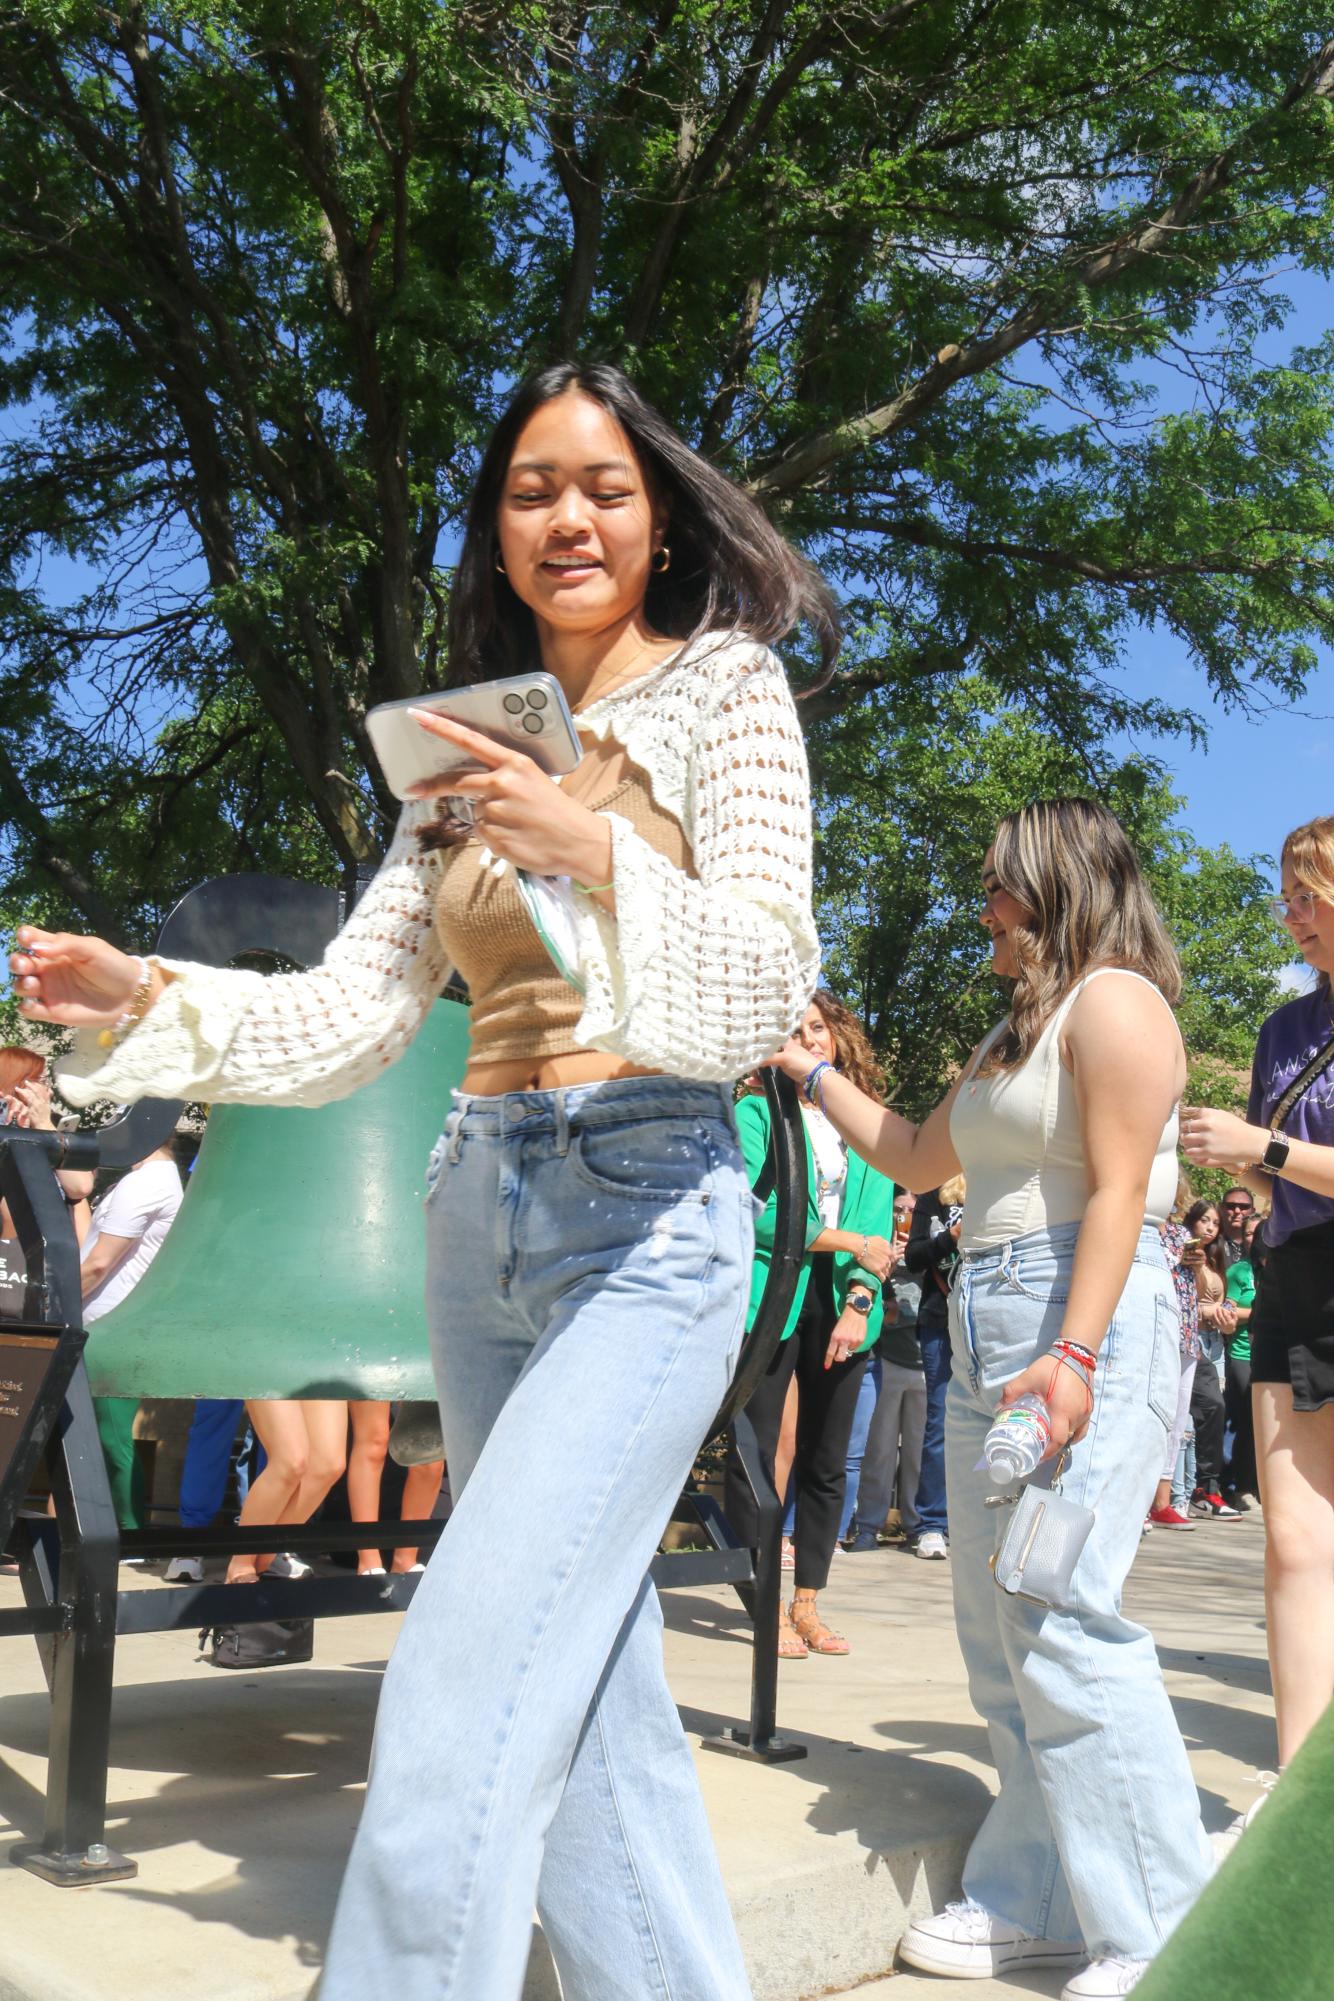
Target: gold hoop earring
<point>499,563</point>
<point>661,561</point>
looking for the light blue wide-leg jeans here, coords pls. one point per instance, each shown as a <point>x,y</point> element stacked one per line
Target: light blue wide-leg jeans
<point>1096,1833</point>
<point>588,1270</point>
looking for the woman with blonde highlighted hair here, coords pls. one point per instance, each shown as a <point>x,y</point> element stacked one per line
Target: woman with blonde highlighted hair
<point>1283,1150</point>
<point>1064,1121</point>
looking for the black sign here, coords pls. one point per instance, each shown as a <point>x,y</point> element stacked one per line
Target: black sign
<point>34,1373</point>
<point>13,1279</point>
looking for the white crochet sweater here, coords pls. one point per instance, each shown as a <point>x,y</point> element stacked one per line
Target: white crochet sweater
<point>699,978</point>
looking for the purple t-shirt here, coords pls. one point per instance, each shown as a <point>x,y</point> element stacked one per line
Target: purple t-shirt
<point>1289,1040</point>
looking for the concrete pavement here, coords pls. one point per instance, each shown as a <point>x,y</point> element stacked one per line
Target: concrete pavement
<point>238,1793</point>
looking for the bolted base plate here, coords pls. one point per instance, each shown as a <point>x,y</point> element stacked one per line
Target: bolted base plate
<point>75,1870</point>
<point>771,1751</point>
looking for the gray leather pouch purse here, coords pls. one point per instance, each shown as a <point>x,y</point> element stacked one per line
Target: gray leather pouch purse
<point>1042,1543</point>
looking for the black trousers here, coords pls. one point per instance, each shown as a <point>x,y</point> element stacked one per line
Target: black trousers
<point>1209,1417</point>
<point>827,1404</point>
<point>1242,1475</point>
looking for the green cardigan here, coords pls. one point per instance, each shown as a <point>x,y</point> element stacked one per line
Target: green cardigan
<point>867,1208</point>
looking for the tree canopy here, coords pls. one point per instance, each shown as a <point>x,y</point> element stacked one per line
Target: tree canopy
<point>916,798</point>
<point>983,299</point>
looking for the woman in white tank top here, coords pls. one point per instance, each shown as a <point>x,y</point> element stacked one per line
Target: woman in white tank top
<point>1064,1120</point>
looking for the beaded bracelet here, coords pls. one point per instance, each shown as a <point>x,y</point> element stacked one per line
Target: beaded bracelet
<point>139,1000</point>
<point>1076,1356</point>
<point>811,1083</point>
<point>1077,1351</point>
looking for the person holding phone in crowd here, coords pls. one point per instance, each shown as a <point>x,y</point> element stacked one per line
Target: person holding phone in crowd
<point>1203,1255</point>
<point>589,1220</point>
<point>1064,1121</point>
<point>1283,1151</point>
<point>25,1101</point>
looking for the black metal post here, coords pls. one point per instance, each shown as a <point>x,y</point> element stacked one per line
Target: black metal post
<point>73,1847</point>
<point>760,1739</point>
<point>79,1655</point>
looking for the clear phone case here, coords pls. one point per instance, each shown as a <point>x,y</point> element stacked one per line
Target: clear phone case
<point>527,712</point>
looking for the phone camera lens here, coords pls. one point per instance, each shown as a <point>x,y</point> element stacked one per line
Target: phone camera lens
<point>533,725</point>
<point>537,698</point>
<point>513,705</point>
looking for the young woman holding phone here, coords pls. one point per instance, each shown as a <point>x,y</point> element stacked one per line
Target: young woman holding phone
<point>1064,1121</point>
<point>588,1216</point>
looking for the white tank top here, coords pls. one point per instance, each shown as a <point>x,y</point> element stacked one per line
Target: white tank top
<point>1018,1138</point>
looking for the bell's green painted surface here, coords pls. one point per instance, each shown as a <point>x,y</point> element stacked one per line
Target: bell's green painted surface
<point>297,1264</point>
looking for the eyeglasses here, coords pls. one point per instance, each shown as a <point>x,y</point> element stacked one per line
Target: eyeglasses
<point>1301,905</point>
<point>1238,1208</point>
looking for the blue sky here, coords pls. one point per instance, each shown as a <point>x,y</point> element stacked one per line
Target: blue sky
<point>1257,777</point>
<point>1260,774</point>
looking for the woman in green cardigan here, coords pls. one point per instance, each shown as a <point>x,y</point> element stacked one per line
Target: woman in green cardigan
<point>834,1323</point>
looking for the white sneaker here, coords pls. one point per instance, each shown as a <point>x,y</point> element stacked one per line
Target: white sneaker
<point>932,1547</point>
<point>968,1943</point>
<point>185,1570</point>
<point>1104,1980</point>
<point>1226,1840</point>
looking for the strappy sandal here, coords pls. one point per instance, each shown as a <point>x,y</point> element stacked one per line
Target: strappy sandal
<point>819,1638</point>
<point>791,1646</point>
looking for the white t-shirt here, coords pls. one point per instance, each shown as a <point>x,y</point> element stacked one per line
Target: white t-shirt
<point>831,1164</point>
<point>142,1207</point>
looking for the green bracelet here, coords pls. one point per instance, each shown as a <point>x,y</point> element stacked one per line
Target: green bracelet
<point>593,888</point>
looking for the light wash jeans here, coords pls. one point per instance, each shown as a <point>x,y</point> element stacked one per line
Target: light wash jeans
<point>588,1268</point>
<point>1095,1834</point>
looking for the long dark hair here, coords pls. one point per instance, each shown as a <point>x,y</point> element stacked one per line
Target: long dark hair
<point>730,570</point>
<point>1213,1253</point>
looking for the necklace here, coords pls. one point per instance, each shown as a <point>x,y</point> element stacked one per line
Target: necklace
<point>594,694</point>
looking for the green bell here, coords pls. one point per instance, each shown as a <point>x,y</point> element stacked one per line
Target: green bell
<point>297,1264</point>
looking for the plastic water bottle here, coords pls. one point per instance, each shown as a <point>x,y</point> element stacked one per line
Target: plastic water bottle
<point>1017,1440</point>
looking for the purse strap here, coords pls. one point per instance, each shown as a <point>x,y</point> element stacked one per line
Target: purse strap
<point>1317,1067</point>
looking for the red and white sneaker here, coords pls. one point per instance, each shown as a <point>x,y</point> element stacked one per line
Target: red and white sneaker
<point>1170,1518</point>
<point>1209,1502</point>
<point>968,1943</point>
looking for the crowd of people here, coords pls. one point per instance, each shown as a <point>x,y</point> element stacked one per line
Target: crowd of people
<point>593,1251</point>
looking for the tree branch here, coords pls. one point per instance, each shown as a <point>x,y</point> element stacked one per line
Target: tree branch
<point>51,857</point>
<point>808,457</point>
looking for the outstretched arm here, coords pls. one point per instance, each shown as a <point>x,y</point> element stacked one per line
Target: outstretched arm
<point>915,1157</point>
<point>232,1035</point>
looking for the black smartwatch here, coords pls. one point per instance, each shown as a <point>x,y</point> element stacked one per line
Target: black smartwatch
<point>1275,1155</point>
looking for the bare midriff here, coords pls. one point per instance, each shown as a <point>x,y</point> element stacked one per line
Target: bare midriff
<point>548,1073</point>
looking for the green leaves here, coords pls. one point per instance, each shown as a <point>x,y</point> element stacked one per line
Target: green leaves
<point>916,790</point>
<point>983,297</point>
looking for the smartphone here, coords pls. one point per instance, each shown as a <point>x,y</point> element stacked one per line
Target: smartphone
<point>1193,1244</point>
<point>527,712</point>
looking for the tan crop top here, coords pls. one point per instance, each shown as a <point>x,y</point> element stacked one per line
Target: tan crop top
<point>521,1007</point>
